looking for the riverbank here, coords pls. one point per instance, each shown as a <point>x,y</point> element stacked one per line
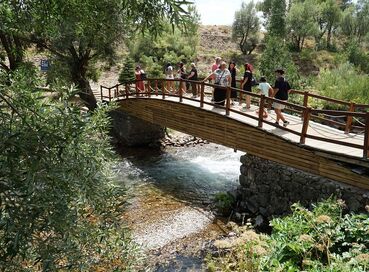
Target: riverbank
<point>170,195</point>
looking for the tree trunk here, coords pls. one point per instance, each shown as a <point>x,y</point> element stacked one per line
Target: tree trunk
<point>78,73</point>
<point>329,37</point>
<point>14,51</point>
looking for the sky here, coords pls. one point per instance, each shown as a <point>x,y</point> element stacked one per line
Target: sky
<point>218,12</point>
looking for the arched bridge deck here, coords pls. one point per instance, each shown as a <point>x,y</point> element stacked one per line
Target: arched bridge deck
<point>331,148</point>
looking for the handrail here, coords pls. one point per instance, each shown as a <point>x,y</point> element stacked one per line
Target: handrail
<point>305,111</point>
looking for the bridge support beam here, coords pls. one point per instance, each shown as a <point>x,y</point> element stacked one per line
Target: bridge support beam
<point>132,131</point>
<point>269,189</point>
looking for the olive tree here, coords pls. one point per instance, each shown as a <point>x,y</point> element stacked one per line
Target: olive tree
<point>301,23</point>
<point>81,33</point>
<point>246,27</point>
<point>59,205</point>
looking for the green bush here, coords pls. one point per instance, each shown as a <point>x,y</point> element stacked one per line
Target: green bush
<point>223,202</point>
<point>319,240</point>
<point>344,83</point>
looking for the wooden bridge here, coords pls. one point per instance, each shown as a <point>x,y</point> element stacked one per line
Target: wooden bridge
<point>329,143</point>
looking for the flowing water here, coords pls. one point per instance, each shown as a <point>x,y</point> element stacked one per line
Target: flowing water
<point>171,192</point>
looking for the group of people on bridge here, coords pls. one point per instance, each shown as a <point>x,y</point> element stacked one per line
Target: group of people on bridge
<point>224,77</point>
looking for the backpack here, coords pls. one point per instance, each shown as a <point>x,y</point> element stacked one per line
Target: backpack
<point>254,82</point>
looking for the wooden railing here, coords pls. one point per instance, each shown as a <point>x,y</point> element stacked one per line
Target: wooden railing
<point>158,87</point>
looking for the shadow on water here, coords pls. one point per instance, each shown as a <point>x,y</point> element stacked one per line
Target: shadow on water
<point>191,174</point>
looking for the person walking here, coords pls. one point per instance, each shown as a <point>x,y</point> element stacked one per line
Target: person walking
<point>281,90</point>
<point>222,79</point>
<point>233,70</point>
<point>194,76</point>
<point>140,86</point>
<point>169,75</point>
<point>266,90</point>
<point>247,83</point>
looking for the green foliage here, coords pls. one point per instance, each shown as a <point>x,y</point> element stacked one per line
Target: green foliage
<point>301,22</point>
<point>319,240</point>
<point>171,45</point>
<point>224,202</point>
<point>275,56</point>
<point>246,27</point>
<point>127,74</point>
<point>277,22</point>
<point>59,206</point>
<point>344,83</point>
<point>357,56</point>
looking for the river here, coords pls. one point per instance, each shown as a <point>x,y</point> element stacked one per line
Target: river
<point>171,193</point>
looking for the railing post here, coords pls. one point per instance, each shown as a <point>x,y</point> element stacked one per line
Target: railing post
<point>306,98</point>
<point>156,87</point>
<point>261,110</point>
<point>116,91</point>
<point>109,94</point>
<point>149,88</point>
<point>305,124</point>
<point>349,118</point>
<point>163,89</point>
<point>366,137</point>
<point>127,91</point>
<point>180,90</point>
<point>202,91</point>
<point>240,101</point>
<point>101,92</point>
<point>228,100</point>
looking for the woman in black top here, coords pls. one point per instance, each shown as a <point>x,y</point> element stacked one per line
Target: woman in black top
<point>193,76</point>
<point>233,70</point>
<point>247,83</point>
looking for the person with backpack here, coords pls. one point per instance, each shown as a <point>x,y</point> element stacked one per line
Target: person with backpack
<point>281,90</point>
<point>247,83</point>
<point>169,75</point>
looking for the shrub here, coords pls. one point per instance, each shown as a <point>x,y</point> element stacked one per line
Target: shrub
<point>344,83</point>
<point>319,240</point>
<point>224,202</point>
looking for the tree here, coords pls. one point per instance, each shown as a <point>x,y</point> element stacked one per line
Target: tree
<point>275,56</point>
<point>301,23</point>
<point>172,45</point>
<point>245,28</point>
<point>13,24</point>
<point>355,21</point>
<point>58,202</point>
<point>127,74</point>
<point>81,33</point>
<point>277,21</point>
<point>332,14</point>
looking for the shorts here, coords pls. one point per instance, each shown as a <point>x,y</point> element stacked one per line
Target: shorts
<point>247,89</point>
<point>278,106</point>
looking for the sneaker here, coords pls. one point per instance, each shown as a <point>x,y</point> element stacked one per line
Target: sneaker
<point>286,123</point>
<point>276,123</point>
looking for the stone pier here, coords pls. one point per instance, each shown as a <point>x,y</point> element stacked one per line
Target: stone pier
<point>269,189</point>
<point>132,131</point>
